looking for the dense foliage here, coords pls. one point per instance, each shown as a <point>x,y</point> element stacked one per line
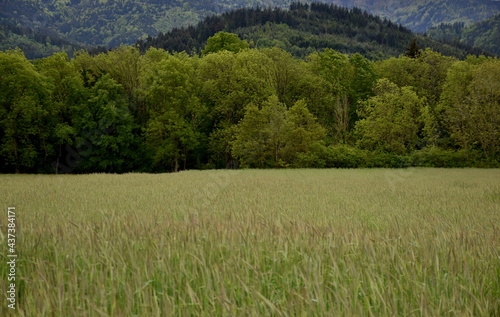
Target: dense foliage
<point>35,44</point>
<point>124,111</point>
<point>484,34</point>
<point>420,15</point>
<point>110,23</point>
<point>304,29</point>
<point>99,22</point>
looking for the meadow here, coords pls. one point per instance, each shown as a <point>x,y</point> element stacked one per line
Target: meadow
<point>365,242</point>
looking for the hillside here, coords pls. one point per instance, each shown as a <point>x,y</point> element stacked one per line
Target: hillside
<point>35,43</point>
<point>304,29</point>
<point>484,34</point>
<point>114,22</point>
<point>420,15</point>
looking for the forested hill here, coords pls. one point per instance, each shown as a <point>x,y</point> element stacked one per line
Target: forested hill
<point>484,34</point>
<point>420,15</point>
<point>113,22</point>
<point>35,43</point>
<point>303,29</point>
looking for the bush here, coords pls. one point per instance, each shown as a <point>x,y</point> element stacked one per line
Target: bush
<point>387,160</point>
<point>345,156</point>
<point>338,156</point>
<point>313,158</point>
<point>439,157</point>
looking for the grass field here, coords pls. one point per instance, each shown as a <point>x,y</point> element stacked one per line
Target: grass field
<point>374,242</point>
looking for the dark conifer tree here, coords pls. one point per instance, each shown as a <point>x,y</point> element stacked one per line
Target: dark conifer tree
<point>413,50</point>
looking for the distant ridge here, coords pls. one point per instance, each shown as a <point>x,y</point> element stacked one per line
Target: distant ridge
<point>420,15</point>
<point>113,22</point>
<point>110,23</point>
<point>484,34</point>
<point>306,28</point>
<point>35,43</point>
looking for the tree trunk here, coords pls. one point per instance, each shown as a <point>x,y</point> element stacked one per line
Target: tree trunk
<point>185,159</point>
<point>176,165</point>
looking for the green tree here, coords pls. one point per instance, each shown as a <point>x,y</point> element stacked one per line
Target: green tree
<point>390,120</point>
<point>485,113</point>
<point>261,135</point>
<point>335,74</point>
<point>24,131</point>
<point>304,130</point>
<point>67,93</point>
<point>88,68</point>
<point>230,83</point>
<point>452,109</point>
<point>171,89</point>
<point>413,50</point>
<point>363,79</point>
<point>171,137</point>
<point>223,41</point>
<point>346,80</point>
<point>470,105</point>
<point>123,65</point>
<point>273,136</point>
<point>284,74</point>
<point>426,73</point>
<point>106,134</point>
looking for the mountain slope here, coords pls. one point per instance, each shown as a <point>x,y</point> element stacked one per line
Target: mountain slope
<point>113,22</point>
<point>484,34</point>
<point>35,44</point>
<point>420,15</point>
<point>304,29</point>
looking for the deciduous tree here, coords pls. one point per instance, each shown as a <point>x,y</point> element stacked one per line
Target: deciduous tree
<point>224,41</point>
<point>171,89</point>
<point>24,100</point>
<point>391,119</point>
<point>273,136</point>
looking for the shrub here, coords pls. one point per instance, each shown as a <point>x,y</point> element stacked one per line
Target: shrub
<point>439,157</point>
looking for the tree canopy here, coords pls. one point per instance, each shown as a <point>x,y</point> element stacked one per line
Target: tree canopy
<point>123,111</point>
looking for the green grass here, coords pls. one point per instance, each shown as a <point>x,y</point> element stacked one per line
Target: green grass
<point>415,242</point>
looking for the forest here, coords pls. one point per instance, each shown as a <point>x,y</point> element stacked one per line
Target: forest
<point>232,106</point>
<point>420,15</point>
<point>35,44</point>
<point>110,23</point>
<point>484,34</point>
<point>306,28</point>
<point>300,28</point>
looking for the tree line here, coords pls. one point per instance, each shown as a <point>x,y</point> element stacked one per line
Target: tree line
<point>233,106</point>
<point>303,29</point>
<point>484,34</point>
<point>35,44</point>
<point>420,15</point>
<point>41,28</point>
